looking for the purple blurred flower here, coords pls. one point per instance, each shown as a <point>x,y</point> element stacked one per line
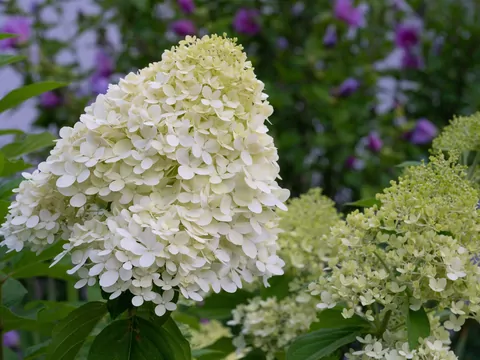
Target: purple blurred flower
<point>246,22</point>
<point>183,27</point>
<point>50,99</point>
<point>423,133</point>
<point>330,37</point>
<point>354,163</point>
<point>282,43</point>
<point>407,35</point>
<point>345,10</point>
<point>374,143</point>
<point>11,339</point>
<point>204,321</point>
<point>347,88</point>
<point>187,6</point>
<point>411,60</point>
<point>19,25</point>
<point>99,84</point>
<point>298,8</point>
<point>104,63</point>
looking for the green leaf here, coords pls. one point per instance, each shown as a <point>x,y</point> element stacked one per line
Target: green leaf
<point>69,334</point>
<point>418,326</point>
<point>51,311</point>
<point>17,96</point>
<point>9,354</point>
<point>38,269</point>
<point>3,209</point>
<point>13,292</point>
<point>318,344</point>
<point>220,306</point>
<point>12,167</point>
<point>190,320</point>
<point>219,350</point>
<point>180,345</point>
<point>37,350</point>
<point>365,203</point>
<point>10,59</point>
<point>28,322</point>
<point>7,187</point>
<point>333,319</point>
<point>4,36</point>
<point>278,287</point>
<point>139,339</point>
<point>27,259</point>
<point>120,304</point>
<point>31,143</point>
<point>11,132</point>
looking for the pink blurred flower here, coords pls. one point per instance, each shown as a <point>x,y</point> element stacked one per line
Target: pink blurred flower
<point>187,6</point>
<point>330,37</point>
<point>374,142</point>
<point>183,27</point>
<point>423,133</point>
<point>19,25</point>
<point>246,22</point>
<point>345,10</point>
<point>50,99</point>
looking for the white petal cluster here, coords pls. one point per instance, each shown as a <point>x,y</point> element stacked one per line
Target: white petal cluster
<point>167,181</point>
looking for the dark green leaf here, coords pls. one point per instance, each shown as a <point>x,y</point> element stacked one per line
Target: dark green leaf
<point>28,322</point>
<point>10,59</point>
<point>29,144</point>
<point>321,343</point>
<point>219,350</point>
<point>12,167</point>
<point>7,187</point>
<point>220,306</point>
<point>17,96</point>
<point>29,260</point>
<point>408,164</point>
<point>181,317</point>
<point>365,203</point>
<point>333,319</point>
<point>69,334</point>
<point>9,354</point>
<point>180,346</point>
<point>278,287</point>
<point>418,326</point>
<point>138,339</point>
<point>120,304</point>
<point>37,269</point>
<point>13,292</point>
<point>36,351</point>
<point>3,209</point>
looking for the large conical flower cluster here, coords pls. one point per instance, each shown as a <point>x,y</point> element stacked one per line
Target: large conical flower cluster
<point>167,181</point>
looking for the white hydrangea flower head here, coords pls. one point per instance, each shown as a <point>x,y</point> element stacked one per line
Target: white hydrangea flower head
<point>167,181</point>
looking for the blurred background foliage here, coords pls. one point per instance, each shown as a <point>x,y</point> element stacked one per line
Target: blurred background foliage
<point>357,87</point>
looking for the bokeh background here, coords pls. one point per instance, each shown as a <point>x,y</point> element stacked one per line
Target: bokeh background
<point>358,87</point>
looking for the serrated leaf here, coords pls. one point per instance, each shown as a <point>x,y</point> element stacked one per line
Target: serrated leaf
<point>318,344</point>
<point>69,334</point>
<point>13,292</point>
<point>31,143</point>
<point>17,96</point>
<point>138,339</point>
<point>418,326</point>
<point>365,203</point>
<point>333,319</point>
<point>10,59</point>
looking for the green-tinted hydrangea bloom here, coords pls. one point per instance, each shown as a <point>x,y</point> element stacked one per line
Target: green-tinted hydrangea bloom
<point>309,217</point>
<point>462,134</point>
<point>271,324</point>
<point>417,247</point>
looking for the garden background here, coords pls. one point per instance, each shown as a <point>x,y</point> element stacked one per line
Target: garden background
<point>357,87</point>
